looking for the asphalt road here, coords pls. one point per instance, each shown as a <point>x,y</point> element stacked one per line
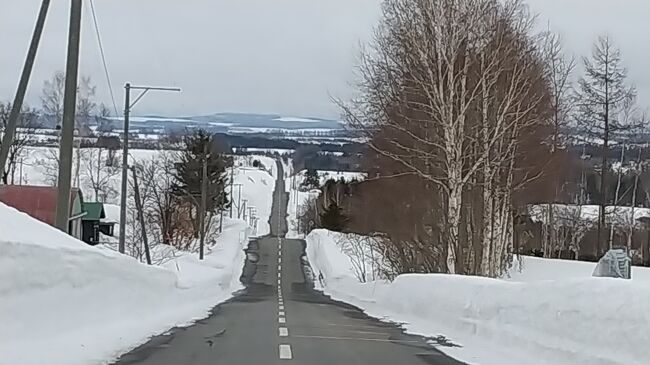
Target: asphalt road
<point>280,319</point>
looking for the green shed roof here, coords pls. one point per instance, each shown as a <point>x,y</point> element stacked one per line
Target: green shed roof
<point>95,211</point>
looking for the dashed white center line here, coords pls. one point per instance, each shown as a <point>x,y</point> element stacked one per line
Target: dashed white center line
<point>283,331</point>
<point>279,274</point>
<point>281,314</point>
<point>281,307</point>
<point>282,320</point>
<point>285,352</point>
<point>279,281</point>
<point>279,267</point>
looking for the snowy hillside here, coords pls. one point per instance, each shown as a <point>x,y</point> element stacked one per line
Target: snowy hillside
<point>238,123</point>
<point>257,185</point>
<point>564,318</point>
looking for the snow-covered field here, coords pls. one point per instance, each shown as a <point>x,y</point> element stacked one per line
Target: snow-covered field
<point>279,151</point>
<point>550,312</point>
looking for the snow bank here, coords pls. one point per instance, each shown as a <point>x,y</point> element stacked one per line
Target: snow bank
<point>527,269</point>
<point>63,302</point>
<point>565,320</point>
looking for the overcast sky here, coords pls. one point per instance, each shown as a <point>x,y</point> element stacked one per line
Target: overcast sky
<point>273,56</point>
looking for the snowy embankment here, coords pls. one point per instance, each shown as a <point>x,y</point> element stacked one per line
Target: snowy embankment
<point>64,302</point>
<point>565,318</point>
<point>257,186</point>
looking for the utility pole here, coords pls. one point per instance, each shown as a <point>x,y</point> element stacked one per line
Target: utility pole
<point>204,197</point>
<point>125,167</point>
<point>221,221</point>
<point>128,105</point>
<point>239,186</point>
<point>138,207</point>
<point>21,171</point>
<point>232,181</point>
<point>16,107</point>
<point>251,215</point>
<point>69,112</point>
<point>244,209</point>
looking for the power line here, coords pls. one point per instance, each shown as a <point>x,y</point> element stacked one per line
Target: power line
<point>101,51</point>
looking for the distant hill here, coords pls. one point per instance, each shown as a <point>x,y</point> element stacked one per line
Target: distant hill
<point>237,123</point>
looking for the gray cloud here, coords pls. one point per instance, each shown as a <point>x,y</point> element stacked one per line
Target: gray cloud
<point>284,56</point>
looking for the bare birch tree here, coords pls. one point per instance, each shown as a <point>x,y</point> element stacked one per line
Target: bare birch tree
<point>52,97</point>
<point>450,89</point>
<point>559,70</point>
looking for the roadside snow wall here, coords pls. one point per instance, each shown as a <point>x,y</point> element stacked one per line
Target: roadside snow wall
<point>63,302</point>
<point>579,320</point>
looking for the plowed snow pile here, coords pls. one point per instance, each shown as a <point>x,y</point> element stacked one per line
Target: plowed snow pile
<point>65,303</point>
<point>557,315</point>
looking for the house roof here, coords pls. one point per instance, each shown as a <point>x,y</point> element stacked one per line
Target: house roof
<point>37,201</point>
<point>94,211</point>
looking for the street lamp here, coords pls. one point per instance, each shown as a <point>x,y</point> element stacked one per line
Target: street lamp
<point>125,149</point>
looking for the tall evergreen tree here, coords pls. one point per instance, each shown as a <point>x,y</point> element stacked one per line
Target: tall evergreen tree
<point>333,218</point>
<point>189,171</point>
<point>602,95</point>
<point>311,181</point>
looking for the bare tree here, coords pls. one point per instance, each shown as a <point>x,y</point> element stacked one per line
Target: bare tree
<point>309,215</point>
<point>168,216</point>
<point>48,165</point>
<point>52,105</point>
<point>26,126</point>
<point>636,169</point>
<point>559,69</point>
<point>451,91</point>
<point>100,174</point>
<point>602,92</point>
<point>360,249</point>
<point>86,106</point>
<point>52,97</point>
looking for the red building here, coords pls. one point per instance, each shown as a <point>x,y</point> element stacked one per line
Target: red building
<point>40,202</point>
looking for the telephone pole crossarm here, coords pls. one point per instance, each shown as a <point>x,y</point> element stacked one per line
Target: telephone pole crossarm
<point>128,105</point>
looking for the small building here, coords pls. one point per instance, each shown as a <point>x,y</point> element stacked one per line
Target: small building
<point>93,223</point>
<point>40,203</point>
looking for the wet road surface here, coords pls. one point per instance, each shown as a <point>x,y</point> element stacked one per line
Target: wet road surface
<point>279,318</point>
